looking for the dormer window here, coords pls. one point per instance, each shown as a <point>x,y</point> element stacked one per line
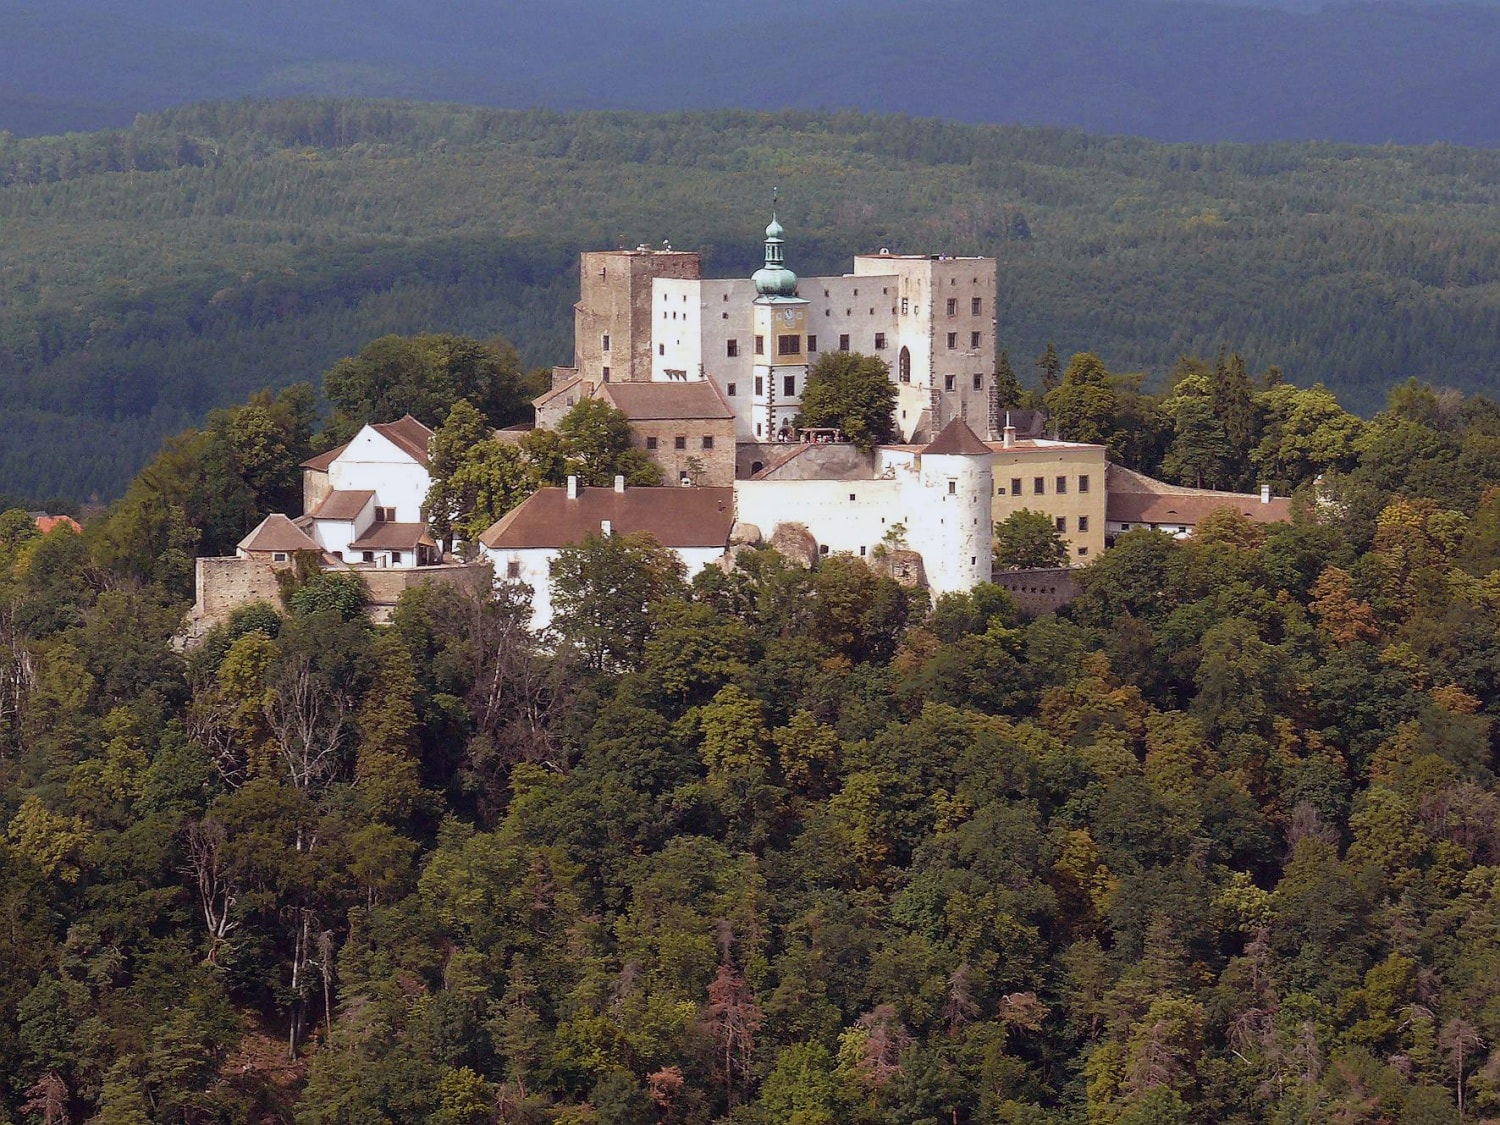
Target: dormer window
<point>385,515</point>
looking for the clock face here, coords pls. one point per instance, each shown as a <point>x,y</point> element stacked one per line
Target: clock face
<point>788,316</point>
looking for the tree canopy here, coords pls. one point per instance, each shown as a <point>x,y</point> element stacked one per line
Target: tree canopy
<point>854,393</point>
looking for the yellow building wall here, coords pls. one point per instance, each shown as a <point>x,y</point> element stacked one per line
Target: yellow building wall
<point>1079,503</point>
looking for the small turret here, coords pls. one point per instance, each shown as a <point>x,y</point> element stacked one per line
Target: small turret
<point>774,279</point>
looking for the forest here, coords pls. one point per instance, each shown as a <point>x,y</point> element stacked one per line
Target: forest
<point>153,273</point>
<point>1219,842</point>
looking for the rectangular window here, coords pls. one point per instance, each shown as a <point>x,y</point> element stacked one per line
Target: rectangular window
<point>952,340</point>
<point>1062,523</point>
<point>513,569</point>
<point>605,343</point>
<point>1039,486</point>
<point>1083,523</point>
<point>905,306</point>
<point>760,345</point>
<point>812,344</point>
<point>880,341</point>
<point>605,373</point>
<point>843,343</point>
<point>708,441</point>
<point>789,385</point>
<point>1015,486</point>
<point>979,382</point>
<point>650,443</point>
<point>788,345</point>
<point>976,305</point>
<point>679,442</point>
<point>953,488</point>
<point>385,515</point>
<point>949,382</point>
<point>278,556</point>
<point>760,387</point>
<point>730,389</point>
<point>395,557</point>
<point>368,556</point>
<point>952,306</point>
<point>1062,486</point>
<point>731,348</point>
<point>974,341</point>
<point>1083,482</point>
<point>661,349</point>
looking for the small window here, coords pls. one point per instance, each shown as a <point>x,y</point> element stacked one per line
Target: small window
<point>905,306</point>
<point>650,443</point>
<point>278,556</point>
<point>760,345</point>
<point>880,341</point>
<point>952,340</point>
<point>679,442</point>
<point>823,549</point>
<point>812,343</point>
<point>1039,486</point>
<point>976,306</point>
<point>385,515</point>
<point>661,349</point>
<point>731,348</point>
<point>979,382</point>
<point>1062,523</point>
<point>1082,551</point>
<point>949,382</point>
<point>1083,523</point>
<point>851,497</point>
<point>604,343</point>
<point>730,389</point>
<point>789,345</point>
<point>1062,486</point>
<point>1015,486</point>
<point>605,372</point>
<point>368,556</point>
<point>513,569</point>
<point>760,388</point>
<point>1083,482</point>
<point>843,343</point>
<point>953,488</point>
<point>974,341</point>
<point>708,441</point>
<point>395,557</point>
<point>861,552</point>
<point>952,306</point>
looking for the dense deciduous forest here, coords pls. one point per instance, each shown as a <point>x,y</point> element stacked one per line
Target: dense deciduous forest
<point>150,274</point>
<point>1219,842</point>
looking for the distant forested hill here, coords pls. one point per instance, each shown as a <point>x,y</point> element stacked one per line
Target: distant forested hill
<point>1180,70</point>
<point>149,274</point>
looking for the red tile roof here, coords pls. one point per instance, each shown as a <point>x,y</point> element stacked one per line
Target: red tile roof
<point>342,505</point>
<point>677,517</point>
<point>647,402</point>
<point>408,435</point>
<point>1132,497</point>
<point>323,460</point>
<point>957,440</point>
<point>277,533</point>
<point>45,524</point>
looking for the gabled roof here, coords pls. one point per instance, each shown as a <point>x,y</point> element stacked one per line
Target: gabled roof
<point>957,440</point>
<point>546,397</point>
<point>390,536</point>
<point>677,517</point>
<point>323,460</point>
<point>407,435</point>
<point>45,523</point>
<point>647,402</point>
<point>342,505</point>
<point>277,533</point>
<point>1132,497</point>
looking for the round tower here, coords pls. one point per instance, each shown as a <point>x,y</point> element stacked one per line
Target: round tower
<point>953,528</point>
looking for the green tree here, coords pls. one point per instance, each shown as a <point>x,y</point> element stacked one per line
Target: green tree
<point>603,590</point>
<point>596,446</point>
<point>854,393</point>
<point>1084,407</point>
<point>475,479</point>
<point>1026,540</point>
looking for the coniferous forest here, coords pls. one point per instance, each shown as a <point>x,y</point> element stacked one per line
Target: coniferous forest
<point>152,273</point>
<point>1219,842</point>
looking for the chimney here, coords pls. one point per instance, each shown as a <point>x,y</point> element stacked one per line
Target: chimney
<point>572,488</point>
<point>1265,494</point>
<point>605,528</point>
<point>1010,432</point>
<point>619,483</point>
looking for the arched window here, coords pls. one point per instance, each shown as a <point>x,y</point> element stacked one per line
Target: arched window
<point>903,365</point>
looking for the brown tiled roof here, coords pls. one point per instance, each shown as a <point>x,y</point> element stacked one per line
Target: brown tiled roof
<point>571,384</point>
<point>342,505</point>
<point>1132,497</point>
<point>323,460</point>
<point>277,533</point>
<point>677,517</point>
<point>390,537</point>
<point>45,523</point>
<point>408,435</point>
<point>647,402</point>
<point>957,440</point>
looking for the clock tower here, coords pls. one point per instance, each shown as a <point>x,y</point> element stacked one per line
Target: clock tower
<point>781,342</point>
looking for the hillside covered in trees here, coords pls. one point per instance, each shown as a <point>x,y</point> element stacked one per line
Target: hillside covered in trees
<point>1218,843</point>
<point>150,274</point>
